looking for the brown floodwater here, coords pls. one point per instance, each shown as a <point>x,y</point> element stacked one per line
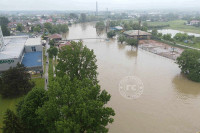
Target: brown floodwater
<point>170,103</point>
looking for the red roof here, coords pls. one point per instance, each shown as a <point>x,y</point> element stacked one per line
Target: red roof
<point>64,44</point>
<point>55,36</point>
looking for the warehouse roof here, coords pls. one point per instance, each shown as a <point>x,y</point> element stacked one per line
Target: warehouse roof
<point>33,41</point>
<point>14,46</point>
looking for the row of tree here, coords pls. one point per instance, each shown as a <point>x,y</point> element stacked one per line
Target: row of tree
<point>180,37</point>
<point>60,28</point>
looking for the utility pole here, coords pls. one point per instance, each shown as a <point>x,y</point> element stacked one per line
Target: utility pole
<point>138,38</point>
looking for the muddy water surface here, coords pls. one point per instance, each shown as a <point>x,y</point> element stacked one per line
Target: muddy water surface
<point>169,104</point>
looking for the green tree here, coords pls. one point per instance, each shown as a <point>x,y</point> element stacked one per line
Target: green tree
<point>11,123</point>
<point>4,26</point>
<point>154,33</point>
<point>62,28</point>
<point>37,29</point>
<point>51,43</point>
<point>4,21</point>
<point>73,16</point>
<point>111,34</point>
<point>83,17</point>
<point>77,61</point>
<point>5,30</point>
<point>53,51</point>
<point>189,62</point>
<point>100,25</point>
<point>76,106</point>
<point>181,37</point>
<point>167,37</point>
<point>27,108</point>
<point>20,27</point>
<point>15,82</point>
<point>48,26</point>
<point>132,42</point>
<point>121,39</point>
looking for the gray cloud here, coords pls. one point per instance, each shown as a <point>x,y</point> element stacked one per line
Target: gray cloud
<point>90,4</point>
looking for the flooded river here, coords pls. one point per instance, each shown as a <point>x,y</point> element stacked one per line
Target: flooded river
<point>169,104</point>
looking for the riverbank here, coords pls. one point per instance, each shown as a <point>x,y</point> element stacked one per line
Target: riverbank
<point>160,48</point>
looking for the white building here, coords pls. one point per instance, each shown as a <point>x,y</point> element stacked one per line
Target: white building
<point>20,49</point>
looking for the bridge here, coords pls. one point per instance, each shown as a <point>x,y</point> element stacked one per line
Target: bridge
<point>80,39</point>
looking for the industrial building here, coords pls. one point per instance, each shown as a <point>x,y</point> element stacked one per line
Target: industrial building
<point>20,49</point>
<point>137,34</point>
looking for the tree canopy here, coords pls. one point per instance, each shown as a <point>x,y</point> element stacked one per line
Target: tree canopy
<point>83,17</point>
<point>189,62</point>
<point>15,82</point>
<point>11,123</point>
<point>52,51</point>
<point>26,110</point>
<point>76,106</point>
<point>100,25</point>
<point>121,39</point>
<point>111,34</point>
<point>4,26</point>
<point>20,27</point>
<point>77,61</point>
<point>132,41</point>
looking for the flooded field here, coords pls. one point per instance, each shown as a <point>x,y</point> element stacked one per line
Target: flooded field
<point>169,104</point>
<point>160,49</point>
<point>174,32</point>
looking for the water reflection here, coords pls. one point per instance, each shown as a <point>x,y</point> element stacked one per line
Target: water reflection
<point>65,35</point>
<point>132,52</point>
<point>84,26</point>
<point>185,88</point>
<point>121,46</point>
<point>100,32</point>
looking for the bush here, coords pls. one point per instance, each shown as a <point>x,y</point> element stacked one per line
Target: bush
<point>189,62</point>
<point>15,82</point>
<point>111,34</point>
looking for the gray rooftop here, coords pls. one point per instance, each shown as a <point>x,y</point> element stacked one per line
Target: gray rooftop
<point>14,46</point>
<point>135,33</point>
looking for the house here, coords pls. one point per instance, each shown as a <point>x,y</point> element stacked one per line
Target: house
<point>137,34</point>
<point>194,22</point>
<point>62,44</point>
<point>55,37</point>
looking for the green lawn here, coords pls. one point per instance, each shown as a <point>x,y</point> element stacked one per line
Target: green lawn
<point>11,103</point>
<point>7,104</point>
<point>39,82</point>
<point>177,25</point>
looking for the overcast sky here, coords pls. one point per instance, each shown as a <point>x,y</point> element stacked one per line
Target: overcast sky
<point>103,4</point>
